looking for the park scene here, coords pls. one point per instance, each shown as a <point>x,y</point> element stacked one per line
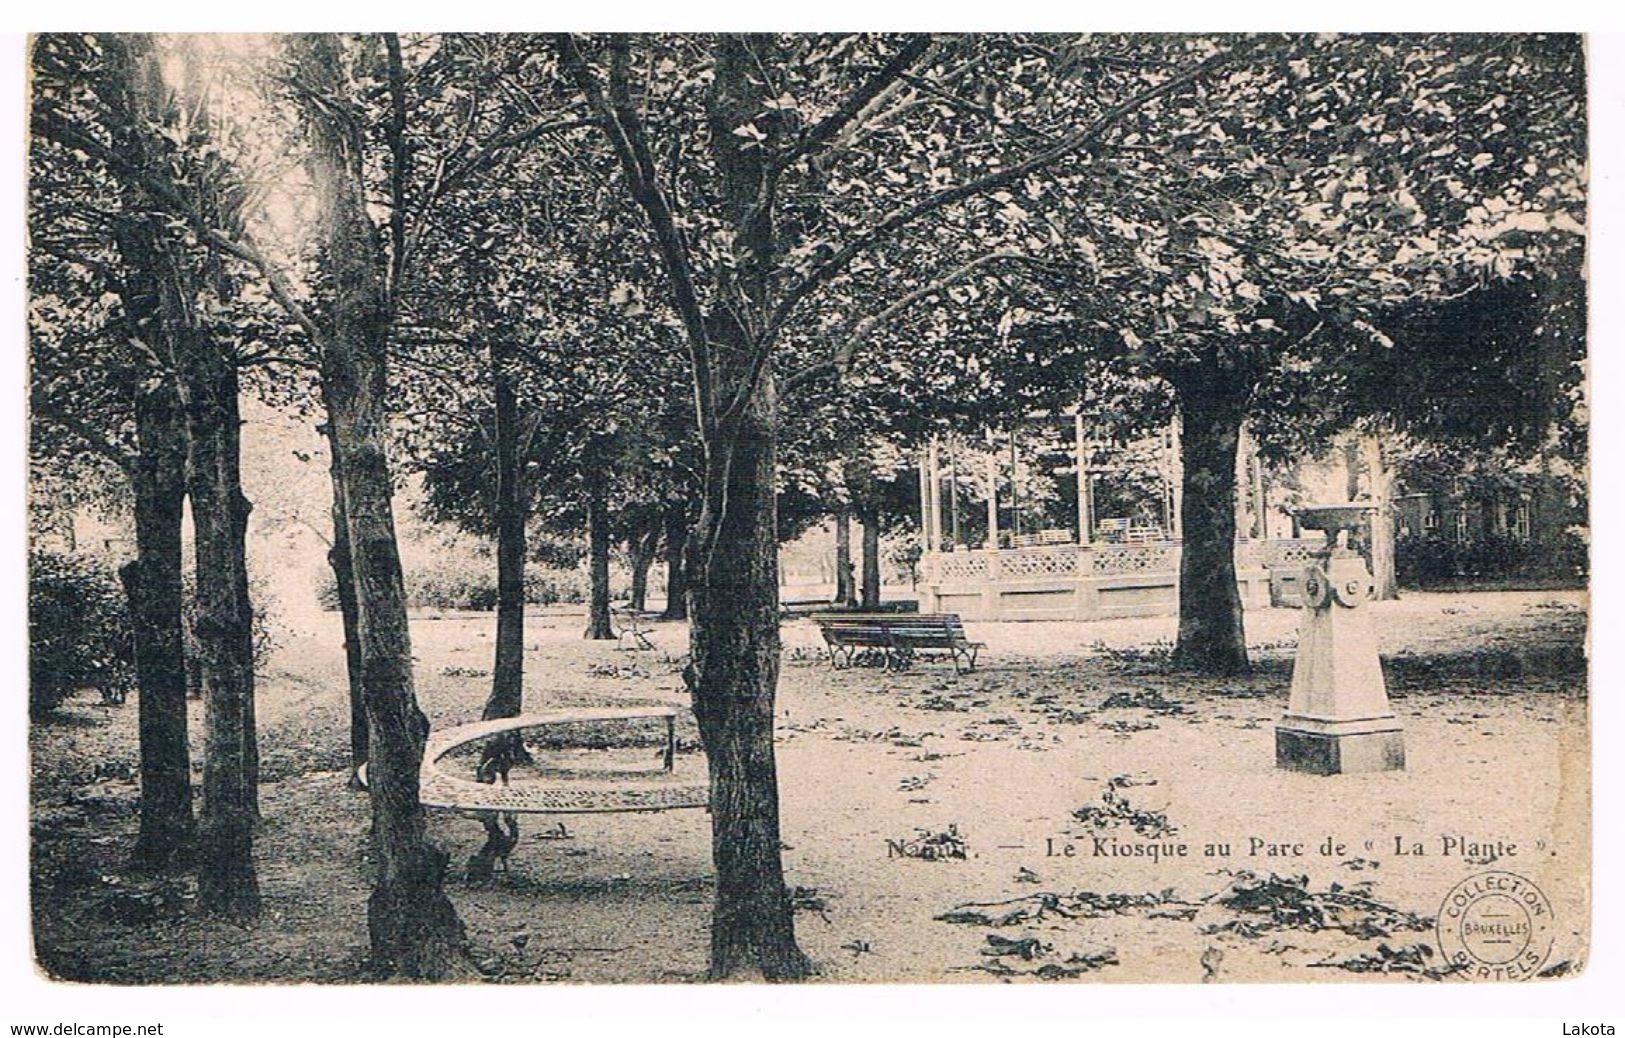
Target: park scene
<point>847,508</point>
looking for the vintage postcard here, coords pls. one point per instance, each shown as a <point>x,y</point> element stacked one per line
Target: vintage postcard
<point>881,507</point>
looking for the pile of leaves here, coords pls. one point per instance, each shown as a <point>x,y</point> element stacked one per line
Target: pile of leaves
<point>1286,903</point>
<point>894,735</point>
<point>939,846</point>
<point>1128,727</point>
<point>1409,958</point>
<point>803,655</point>
<point>1081,904</point>
<point>1115,811</point>
<point>1146,699</point>
<point>1153,656</point>
<point>808,899</point>
<point>624,671</point>
<point>999,950</point>
<point>525,964</point>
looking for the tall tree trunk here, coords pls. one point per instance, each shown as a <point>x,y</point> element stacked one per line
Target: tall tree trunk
<point>844,593</point>
<point>734,634</point>
<point>508,670</point>
<point>733,572</point>
<point>135,93</point>
<point>1211,635</point>
<point>152,583</point>
<point>224,629</point>
<point>642,552</point>
<point>338,558</point>
<point>413,928</point>
<point>871,562</point>
<point>734,648</point>
<point>599,627</point>
<point>677,526</point>
<point>1381,478</point>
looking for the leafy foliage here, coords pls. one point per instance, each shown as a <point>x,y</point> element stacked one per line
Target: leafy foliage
<point>1428,560</point>
<point>78,629</point>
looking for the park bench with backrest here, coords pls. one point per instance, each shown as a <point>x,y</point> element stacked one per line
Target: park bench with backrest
<point>897,636</point>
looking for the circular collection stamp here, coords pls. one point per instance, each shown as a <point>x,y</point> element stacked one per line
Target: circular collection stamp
<point>1495,926</point>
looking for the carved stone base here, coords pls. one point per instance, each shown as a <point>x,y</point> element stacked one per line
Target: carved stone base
<point>1340,753</point>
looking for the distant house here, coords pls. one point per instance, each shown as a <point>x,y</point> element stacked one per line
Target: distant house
<point>1460,517</point>
<point>1514,524</point>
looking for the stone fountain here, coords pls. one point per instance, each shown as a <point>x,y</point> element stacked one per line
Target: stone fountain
<point>1338,719</point>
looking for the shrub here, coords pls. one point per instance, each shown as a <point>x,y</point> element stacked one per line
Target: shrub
<point>1570,554</point>
<point>546,587</point>
<point>463,585</point>
<point>78,629</point>
<point>1420,561</point>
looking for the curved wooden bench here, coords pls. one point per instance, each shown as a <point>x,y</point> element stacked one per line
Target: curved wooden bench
<point>588,795</point>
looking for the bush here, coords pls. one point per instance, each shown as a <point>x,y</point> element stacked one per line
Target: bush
<point>547,587</point>
<point>78,629</point>
<point>1570,555</point>
<point>1421,561</point>
<point>465,586</point>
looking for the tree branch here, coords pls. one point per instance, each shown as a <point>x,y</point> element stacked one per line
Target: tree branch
<point>900,218</point>
<point>841,360</point>
<point>400,158</point>
<point>834,124</point>
<point>494,149</point>
<point>621,124</point>
<point>258,359</point>
<point>980,110</point>
<point>177,205</point>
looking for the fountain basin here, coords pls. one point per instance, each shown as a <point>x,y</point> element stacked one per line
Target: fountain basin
<point>1347,515</point>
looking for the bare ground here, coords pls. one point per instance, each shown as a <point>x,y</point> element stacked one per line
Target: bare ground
<point>1067,733</point>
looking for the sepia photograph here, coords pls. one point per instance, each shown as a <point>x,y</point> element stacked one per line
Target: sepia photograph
<point>664,508</point>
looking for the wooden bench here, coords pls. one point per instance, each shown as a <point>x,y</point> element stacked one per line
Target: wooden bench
<point>590,793</point>
<point>1041,539</point>
<point>898,635</point>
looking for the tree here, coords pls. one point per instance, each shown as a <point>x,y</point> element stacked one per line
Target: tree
<point>224,624</point>
<point>739,266</point>
<point>883,490</point>
<point>1498,372</point>
<point>206,374</point>
<point>508,670</point>
<point>412,925</point>
<point>1274,218</point>
<point>186,323</point>
<point>845,592</point>
<point>530,256</point>
<point>85,400</point>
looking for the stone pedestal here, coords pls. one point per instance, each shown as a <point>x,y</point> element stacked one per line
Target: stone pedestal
<point>1338,719</point>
